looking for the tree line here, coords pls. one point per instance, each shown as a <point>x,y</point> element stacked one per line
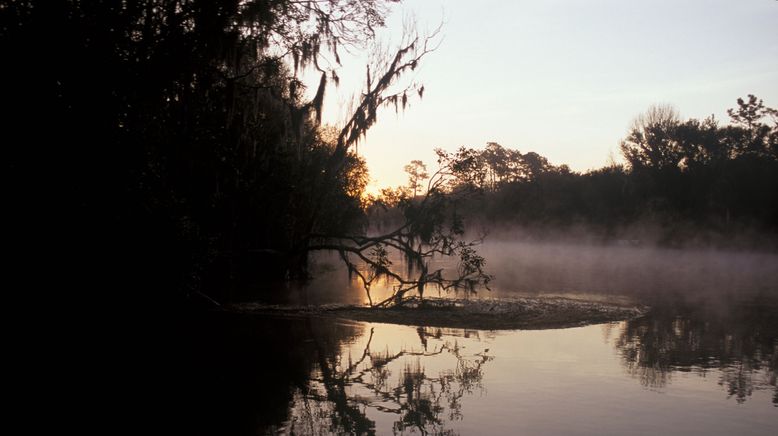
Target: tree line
<point>682,181</point>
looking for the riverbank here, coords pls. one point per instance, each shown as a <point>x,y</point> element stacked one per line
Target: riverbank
<point>482,314</point>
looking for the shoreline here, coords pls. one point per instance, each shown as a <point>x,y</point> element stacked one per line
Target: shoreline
<point>535,313</point>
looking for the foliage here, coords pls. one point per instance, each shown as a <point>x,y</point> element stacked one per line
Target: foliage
<point>178,135</point>
<point>417,174</point>
<point>650,140</point>
<point>694,181</point>
<point>429,227</point>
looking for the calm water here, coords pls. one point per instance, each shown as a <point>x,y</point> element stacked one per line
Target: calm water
<point>703,361</point>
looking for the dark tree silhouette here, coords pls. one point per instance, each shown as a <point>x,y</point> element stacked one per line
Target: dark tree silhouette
<point>694,181</point>
<point>172,143</point>
<point>650,143</point>
<point>417,174</point>
<point>429,227</point>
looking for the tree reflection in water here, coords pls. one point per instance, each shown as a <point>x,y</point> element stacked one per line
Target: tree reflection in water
<point>738,341</point>
<point>306,375</point>
<point>346,393</point>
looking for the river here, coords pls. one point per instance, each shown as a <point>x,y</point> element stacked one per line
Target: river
<point>703,360</point>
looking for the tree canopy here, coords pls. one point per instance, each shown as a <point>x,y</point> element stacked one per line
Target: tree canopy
<point>177,138</point>
<point>683,181</point>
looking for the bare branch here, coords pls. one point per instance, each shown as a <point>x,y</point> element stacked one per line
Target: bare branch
<point>427,232</point>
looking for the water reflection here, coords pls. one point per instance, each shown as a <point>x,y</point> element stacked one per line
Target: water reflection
<point>308,375</point>
<point>241,372</point>
<point>418,387</point>
<point>263,375</point>
<point>738,340</point>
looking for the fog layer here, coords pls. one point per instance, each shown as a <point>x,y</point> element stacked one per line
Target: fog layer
<point>622,270</point>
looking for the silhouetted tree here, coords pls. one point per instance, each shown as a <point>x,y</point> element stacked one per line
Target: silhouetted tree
<point>417,174</point>
<point>179,136</point>
<point>430,227</point>
<point>650,143</point>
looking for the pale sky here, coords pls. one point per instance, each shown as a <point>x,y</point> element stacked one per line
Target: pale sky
<point>564,78</point>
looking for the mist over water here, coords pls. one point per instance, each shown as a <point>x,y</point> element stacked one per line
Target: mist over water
<point>641,272</point>
<point>619,271</point>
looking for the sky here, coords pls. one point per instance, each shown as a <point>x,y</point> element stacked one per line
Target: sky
<point>563,78</point>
